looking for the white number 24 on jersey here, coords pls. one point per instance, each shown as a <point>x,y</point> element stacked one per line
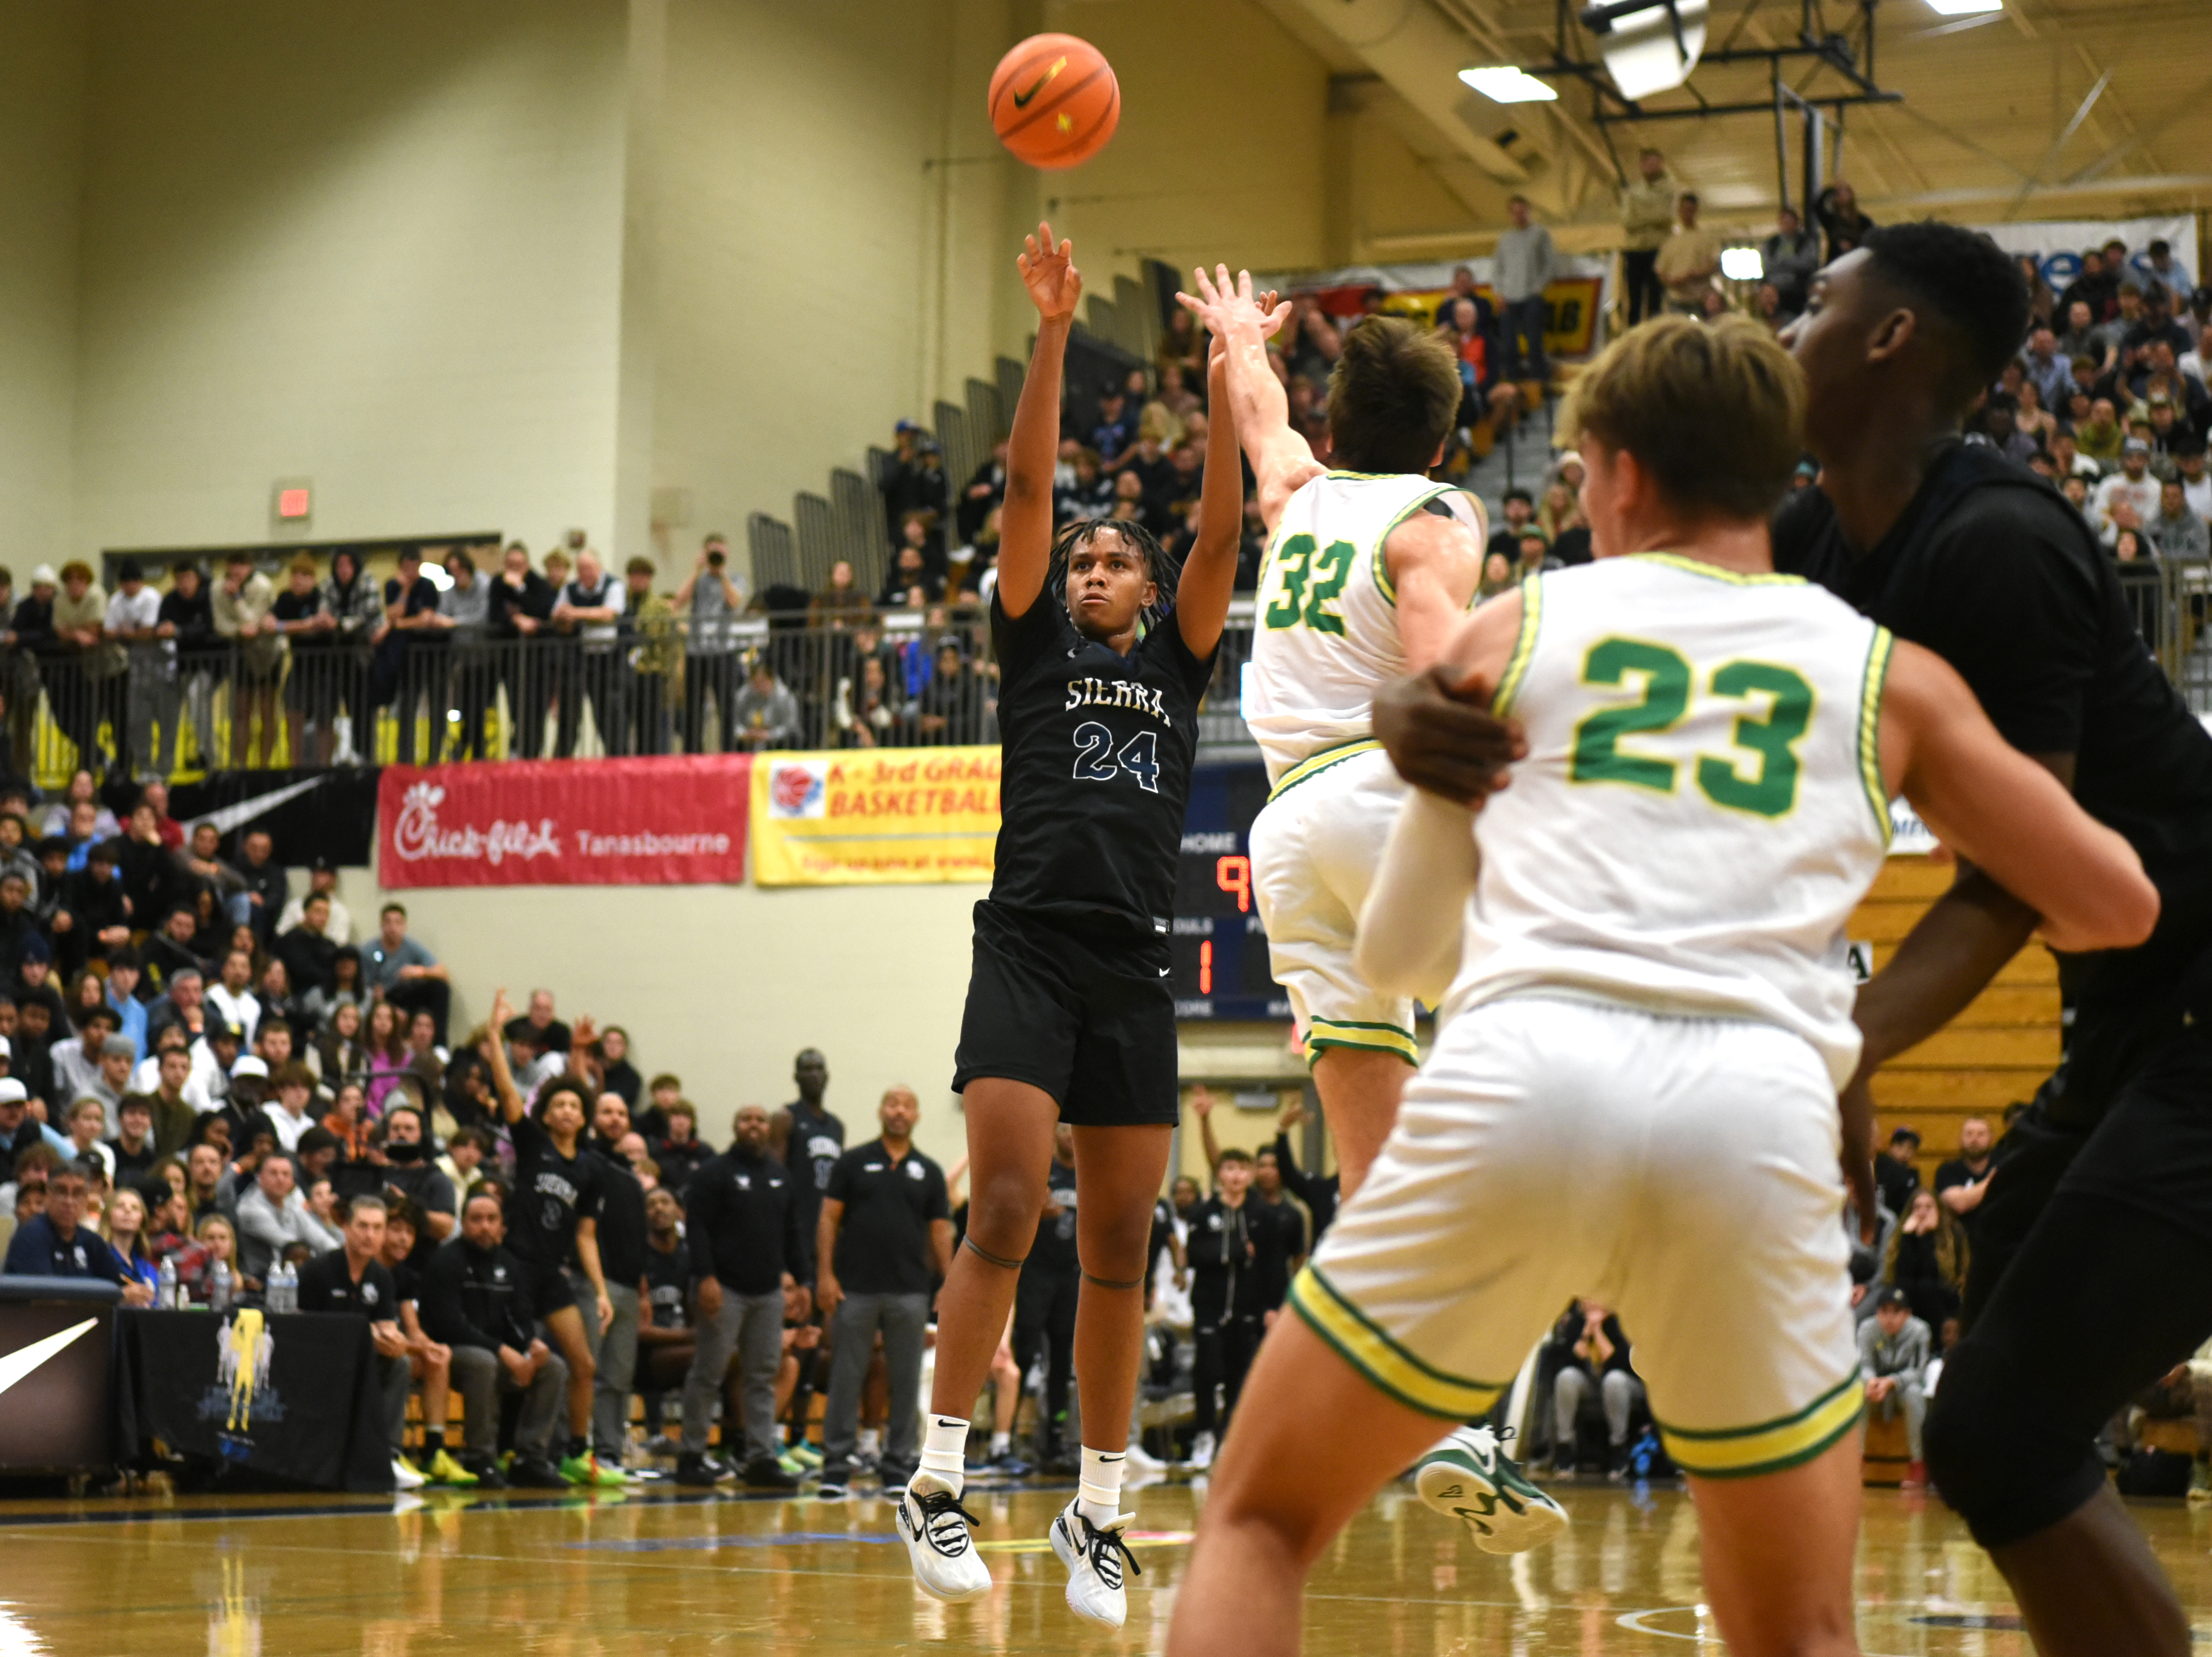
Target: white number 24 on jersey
<point>1096,761</point>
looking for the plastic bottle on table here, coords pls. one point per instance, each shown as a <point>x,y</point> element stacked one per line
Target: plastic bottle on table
<point>164,1288</point>
<point>219,1288</point>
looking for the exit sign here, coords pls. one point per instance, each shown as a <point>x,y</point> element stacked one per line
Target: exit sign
<point>294,500</point>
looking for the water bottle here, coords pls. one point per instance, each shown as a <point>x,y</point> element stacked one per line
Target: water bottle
<point>166,1294</point>
<point>276,1292</point>
<point>291,1287</point>
<point>219,1288</point>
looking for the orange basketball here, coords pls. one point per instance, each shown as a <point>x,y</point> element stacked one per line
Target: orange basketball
<point>1055,101</point>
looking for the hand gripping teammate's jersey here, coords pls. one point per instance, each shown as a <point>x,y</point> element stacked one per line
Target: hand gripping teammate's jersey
<point>1325,634</point>
<point>1702,805</point>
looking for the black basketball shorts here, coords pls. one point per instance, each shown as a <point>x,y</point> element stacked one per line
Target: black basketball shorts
<point>1089,1021</point>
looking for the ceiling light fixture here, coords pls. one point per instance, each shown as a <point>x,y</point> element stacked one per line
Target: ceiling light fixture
<point>1963,8</point>
<point>1506,84</point>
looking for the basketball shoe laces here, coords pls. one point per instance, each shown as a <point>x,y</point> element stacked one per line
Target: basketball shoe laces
<point>945,1522</point>
<point>1106,1550</point>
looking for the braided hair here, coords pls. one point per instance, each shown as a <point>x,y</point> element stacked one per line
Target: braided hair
<point>1160,566</point>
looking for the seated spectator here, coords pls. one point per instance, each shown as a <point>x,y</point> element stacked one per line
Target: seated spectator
<point>403,972</point>
<point>87,1125</point>
<point>322,882</point>
<point>288,1117</point>
<point>910,584</point>
<point>408,1172</point>
<point>868,713</point>
<point>347,1121</point>
<point>428,1362</point>
<point>1517,510</point>
<point>20,1130</point>
<point>950,707</point>
<point>1894,1348</point>
<point>463,1162</point>
<point>1927,1256</point>
<point>1593,1358</point>
<point>231,996</point>
<point>342,1047</point>
<point>1895,1170</point>
<point>82,789</point>
<point>2177,532</point>
<point>618,1075</point>
<point>275,1222</point>
<point>123,1228</point>
<point>57,1244</point>
<point>767,713</point>
<point>351,1278</point>
<point>479,1299</point>
<point>77,1065</point>
<point>841,602</point>
<point>308,953</point>
<point>549,1034</point>
<point>134,1152</point>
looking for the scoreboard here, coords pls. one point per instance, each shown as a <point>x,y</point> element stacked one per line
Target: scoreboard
<point>1220,951</point>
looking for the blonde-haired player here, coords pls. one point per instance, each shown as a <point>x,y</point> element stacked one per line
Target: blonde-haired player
<point>1632,1095</point>
<point>1369,570</point>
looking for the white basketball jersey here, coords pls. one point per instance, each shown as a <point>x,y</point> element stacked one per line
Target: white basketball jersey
<point>1702,805</point>
<point>1325,620</point>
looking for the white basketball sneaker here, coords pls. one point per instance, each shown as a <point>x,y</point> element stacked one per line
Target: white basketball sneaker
<point>934,1527</point>
<point>1094,1555</point>
<point>1468,1477</point>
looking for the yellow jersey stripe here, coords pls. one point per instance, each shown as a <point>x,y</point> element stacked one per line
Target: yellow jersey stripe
<point>1377,1038</point>
<point>1524,646</point>
<point>1772,1447</point>
<point>1389,1366</point>
<point>1715,573</point>
<point>1320,760</point>
<point>1871,694</point>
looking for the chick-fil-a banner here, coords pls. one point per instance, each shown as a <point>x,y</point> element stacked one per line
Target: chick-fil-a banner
<point>674,821</point>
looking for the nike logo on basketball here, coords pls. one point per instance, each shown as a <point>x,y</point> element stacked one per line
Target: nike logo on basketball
<point>1021,99</point>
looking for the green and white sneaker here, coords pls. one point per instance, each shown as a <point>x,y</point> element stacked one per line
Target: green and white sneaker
<point>1468,1477</point>
<point>806,1455</point>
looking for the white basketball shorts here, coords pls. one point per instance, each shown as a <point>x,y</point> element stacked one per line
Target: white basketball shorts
<point>1680,1171</point>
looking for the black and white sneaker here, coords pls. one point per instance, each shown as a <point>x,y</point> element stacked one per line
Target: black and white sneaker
<point>934,1527</point>
<point>1094,1555</point>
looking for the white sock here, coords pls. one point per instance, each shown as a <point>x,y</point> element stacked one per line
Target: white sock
<point>783,1434</point>
<point>871,1440</point>
<point>1098,1498</point>
<point>944,1453</point>
<point>1001,1442</point>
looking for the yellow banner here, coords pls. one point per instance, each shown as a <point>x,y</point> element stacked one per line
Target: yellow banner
<point>886,816</point>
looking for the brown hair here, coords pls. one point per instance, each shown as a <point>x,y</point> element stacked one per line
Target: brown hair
<point>1392,397</point>
<point>1715,411</point>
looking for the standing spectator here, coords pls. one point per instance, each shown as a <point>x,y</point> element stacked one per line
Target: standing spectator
<point>886,1231</point>
<point>1689,259</point>
<point>241,606</point>
<point>134,614</point>
<point>1595,1359</point>
<point>480,1299</point>
<point>1224,1299</point>
<point>1962,1182</point>
<point>2178,531</point>
<point>767,713</point>
<point>622,1264</point>
<point>519,611</point>
<point>810,1139</point>
<point>744,1229</point>
<point>1788,259</point>
<point>78,682</point>
<point>401,673</point>
<point>1044,1304</point>
<point>58,1244</point>
<point>1525,265</point>
<point>403,972</point>
<point>656,655</point>
<point>351,599</point>
<point>1647,214</point>
<point>311,692</point>
<point>590,609</point>
<point>308,953</point>
<point>186,623</point>
<point>2047,369</point>
<point>2128,499</point>
<point>711,601</point>
<point>352,1278</point>
<point>1319,1193</point>
<point>1835,210</point>
<point>1896,1175</point>
<point>681,1155</point>
<point>1894,1348</point>
<point>464,619</point>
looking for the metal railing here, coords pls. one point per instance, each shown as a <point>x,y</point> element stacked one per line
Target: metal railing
<point>180,714</point>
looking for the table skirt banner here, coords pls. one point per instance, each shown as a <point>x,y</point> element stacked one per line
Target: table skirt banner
<point>294,1396</point>
<point>886,816</point>
<point>669,822</point>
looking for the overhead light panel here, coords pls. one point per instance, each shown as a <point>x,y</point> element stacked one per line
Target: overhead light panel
<point>1647,46</point>
<point>1963,8</point>
<point>1506,84</point>
<point>1742,264</point>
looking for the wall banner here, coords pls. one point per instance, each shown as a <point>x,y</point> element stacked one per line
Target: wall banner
<point>670,822</point>
<point>886,816</point>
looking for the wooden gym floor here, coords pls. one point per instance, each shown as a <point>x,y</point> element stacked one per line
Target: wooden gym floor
<point>727,1574</point>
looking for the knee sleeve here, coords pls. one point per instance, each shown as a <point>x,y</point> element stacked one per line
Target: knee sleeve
<point>1997,1455</point>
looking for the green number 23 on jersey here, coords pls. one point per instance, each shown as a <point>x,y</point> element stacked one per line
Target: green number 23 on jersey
<point>1307,586</point>
<point>1767,738</point>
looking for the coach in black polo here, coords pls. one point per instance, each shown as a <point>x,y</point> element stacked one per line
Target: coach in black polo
<point>884,1240</point>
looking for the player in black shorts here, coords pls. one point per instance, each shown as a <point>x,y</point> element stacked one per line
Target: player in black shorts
<point>2091,1270</point>
<point>1070,1014</point>
<point>552,1222</point>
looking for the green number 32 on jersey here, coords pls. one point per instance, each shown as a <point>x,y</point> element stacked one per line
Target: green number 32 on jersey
<point>1759,776</point>
<point>1305,588</point>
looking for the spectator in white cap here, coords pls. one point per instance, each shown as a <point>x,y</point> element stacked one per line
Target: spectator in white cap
<point>2128,500</point>
<point>19,1130</point>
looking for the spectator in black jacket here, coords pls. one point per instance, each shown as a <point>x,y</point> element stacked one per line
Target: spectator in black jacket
<point>1227,1266</point>
<point>744,1231</point>
<point>266,888</point>
<point>519,608</point>
<point>682,1153</point>
<point>91,919</point>
<point>1318,1191</point>
<point>187,622</point>
<point>477,1297</point>
<point>621,1262</point>
<point>1044,1303</point>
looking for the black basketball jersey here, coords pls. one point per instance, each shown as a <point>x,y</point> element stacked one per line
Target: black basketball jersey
<point>1095,775</point>
<point>1996,571</point>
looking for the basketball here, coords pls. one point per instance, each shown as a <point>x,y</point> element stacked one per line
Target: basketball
<point>1055,101</point>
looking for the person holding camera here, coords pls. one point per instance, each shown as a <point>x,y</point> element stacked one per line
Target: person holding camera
<point>711,599</point>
